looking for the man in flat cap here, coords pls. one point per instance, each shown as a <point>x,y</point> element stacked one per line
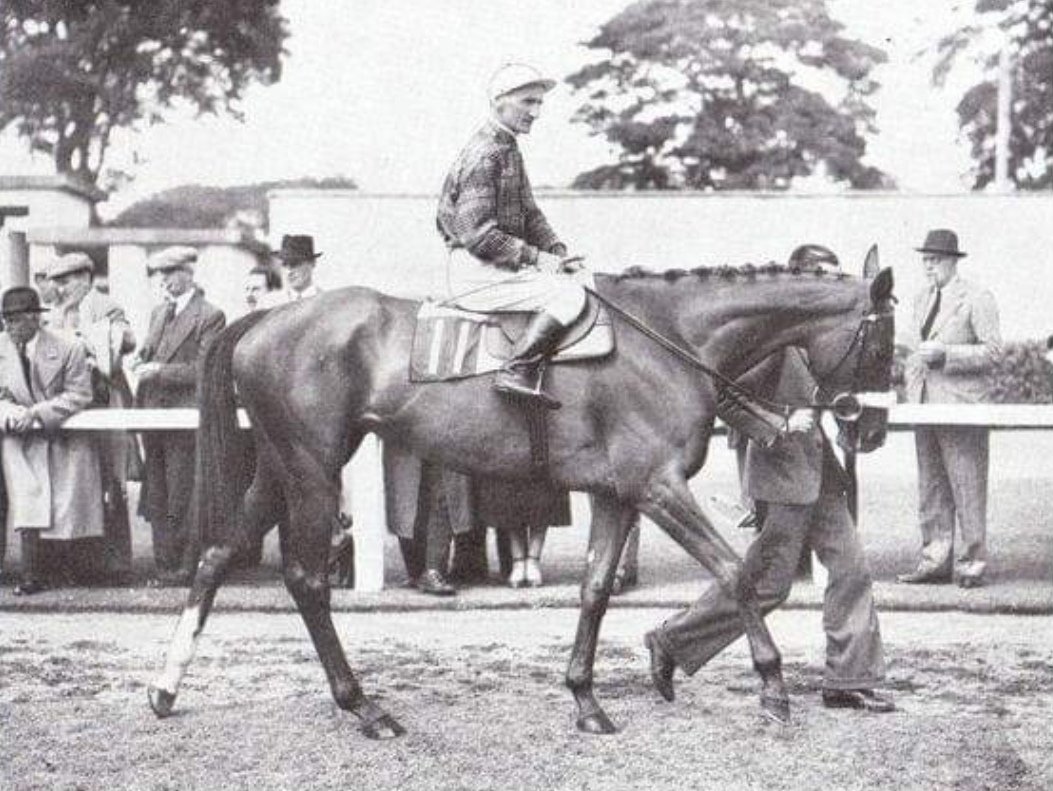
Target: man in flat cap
<point>181,329</point>
<point>93,319</point>
<point>51,478</point>
<point>955,337</point>
<point>504,256</point>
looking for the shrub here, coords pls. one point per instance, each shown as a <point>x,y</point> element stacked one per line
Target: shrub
<point>1021,374</point>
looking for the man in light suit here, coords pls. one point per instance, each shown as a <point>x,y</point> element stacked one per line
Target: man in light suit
<point>955,336</point>
<point>86,315</point>
<point>799,486</point>
<point>180,331</point>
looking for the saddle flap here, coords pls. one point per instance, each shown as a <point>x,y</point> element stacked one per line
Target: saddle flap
<point>591,335</point>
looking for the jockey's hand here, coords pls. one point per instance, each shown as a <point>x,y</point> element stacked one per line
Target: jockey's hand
<point>549,263</point>
<point>801,421</point>
<point>572,263</point>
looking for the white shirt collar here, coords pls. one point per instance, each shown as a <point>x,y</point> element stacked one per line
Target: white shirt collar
<point>183,300</point>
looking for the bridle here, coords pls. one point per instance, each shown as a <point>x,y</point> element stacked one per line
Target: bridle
<point>845,405</point>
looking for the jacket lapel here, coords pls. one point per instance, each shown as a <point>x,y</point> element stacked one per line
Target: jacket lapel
<point>178,330</point>
<point>47,363</point>
<point>950,300</point>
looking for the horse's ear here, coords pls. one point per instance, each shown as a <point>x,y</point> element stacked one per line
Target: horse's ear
<point>871,263</point>
<point>881,287</point>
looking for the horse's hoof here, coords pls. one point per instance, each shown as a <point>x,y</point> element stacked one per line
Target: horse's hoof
<point>776,708</point>
<point>383,727</point>
<point>161,700</point>
<point>597,723</point>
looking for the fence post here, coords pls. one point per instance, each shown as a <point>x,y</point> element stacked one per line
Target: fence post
<point>363,479</point>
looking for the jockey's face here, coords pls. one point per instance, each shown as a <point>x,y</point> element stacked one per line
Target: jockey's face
<point>299,275</point>
<point>518,110</point>
<point>939,269</point>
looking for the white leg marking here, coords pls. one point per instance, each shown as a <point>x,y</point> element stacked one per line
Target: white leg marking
<point>180,651</point>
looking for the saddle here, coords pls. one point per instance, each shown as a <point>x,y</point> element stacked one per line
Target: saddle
<point>450,343</point>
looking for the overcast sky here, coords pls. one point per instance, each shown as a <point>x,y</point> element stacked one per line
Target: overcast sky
<point>386,91</point>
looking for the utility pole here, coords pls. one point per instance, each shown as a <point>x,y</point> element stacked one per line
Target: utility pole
<point>1004,118</point>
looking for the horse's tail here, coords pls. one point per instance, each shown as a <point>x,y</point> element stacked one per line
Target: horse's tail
<point>225,458</point>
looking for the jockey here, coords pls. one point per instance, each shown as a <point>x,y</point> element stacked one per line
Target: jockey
<point>504,256</point>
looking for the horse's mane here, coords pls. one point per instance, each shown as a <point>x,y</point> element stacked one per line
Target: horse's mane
<point>726,272</point>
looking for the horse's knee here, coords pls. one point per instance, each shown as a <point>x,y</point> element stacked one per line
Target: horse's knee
<point>212,566</point>
<point>594,596</point>
<point>307,588</point>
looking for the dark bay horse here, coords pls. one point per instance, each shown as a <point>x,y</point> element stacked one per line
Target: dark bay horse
<point>316,376</point>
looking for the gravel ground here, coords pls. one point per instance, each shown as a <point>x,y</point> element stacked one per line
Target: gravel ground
<point>480,694</point>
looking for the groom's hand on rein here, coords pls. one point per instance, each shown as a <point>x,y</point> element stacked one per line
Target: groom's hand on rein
<point>800,421</point>
<point>572,263</point>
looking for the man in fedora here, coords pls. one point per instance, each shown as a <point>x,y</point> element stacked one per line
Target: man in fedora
<point>297,257</point>
<point>180,331</point>
<point>51,478</point>
<point>504,256</point>
<point>86,315</point>
<point>955,336</point>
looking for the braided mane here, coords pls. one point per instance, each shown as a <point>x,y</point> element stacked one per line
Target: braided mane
<point>726,272</point>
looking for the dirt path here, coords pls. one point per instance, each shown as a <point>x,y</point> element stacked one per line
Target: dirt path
<point>481,695</point>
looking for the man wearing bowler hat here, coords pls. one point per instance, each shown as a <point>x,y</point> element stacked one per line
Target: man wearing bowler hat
<point>84,314</point>
<point>181,329</point>
<point>504,256</point>
<point>52,479</point>
<point>297,257</point>
<point>955,337</point>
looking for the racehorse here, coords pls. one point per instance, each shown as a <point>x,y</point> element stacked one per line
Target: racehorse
<point>317,375</point>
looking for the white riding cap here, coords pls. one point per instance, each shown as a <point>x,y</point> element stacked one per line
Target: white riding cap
<point>515,77</point>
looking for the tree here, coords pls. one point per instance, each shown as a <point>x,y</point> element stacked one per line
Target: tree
<point>196,206</point>
<point>728,94</point>
<point>1026,28</point>
<point>73,71</point>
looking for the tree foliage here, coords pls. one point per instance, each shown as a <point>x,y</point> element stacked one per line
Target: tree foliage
<point>196,206</point>
<point>728,94</point>
<point>1027,29</point>
<point>73,71</point>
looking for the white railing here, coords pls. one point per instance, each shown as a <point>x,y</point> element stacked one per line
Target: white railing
<point>363,477</point>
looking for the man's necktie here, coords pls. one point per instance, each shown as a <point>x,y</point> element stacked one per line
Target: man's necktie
<point>926,328</point>
<point>27,369</point>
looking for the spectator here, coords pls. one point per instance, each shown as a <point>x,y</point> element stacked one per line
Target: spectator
<point>260,283</point>
<point>92,318</point>
<point>955,336</point>
<point>45,288</point>
<point>180,331</point>
<point>801,486</point>
<point>298,258</point>
<point>52,479</point>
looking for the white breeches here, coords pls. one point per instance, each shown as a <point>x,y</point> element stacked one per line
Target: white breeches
<point>475,286</point>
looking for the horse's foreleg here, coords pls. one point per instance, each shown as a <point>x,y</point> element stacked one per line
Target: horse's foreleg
<point>610,525</point>
<point>670,504</point>
<point>307,579</point>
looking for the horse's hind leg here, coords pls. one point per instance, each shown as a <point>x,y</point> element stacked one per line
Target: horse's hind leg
<point>670,504</point>
<point>610,525</point>
<point>263,505</point>
<point>312,508</point>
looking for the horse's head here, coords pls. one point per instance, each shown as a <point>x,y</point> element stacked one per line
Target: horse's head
<point>853,376</point>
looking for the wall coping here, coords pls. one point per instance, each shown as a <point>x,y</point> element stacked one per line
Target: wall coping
<point>62,182</point>
<point>107,236</point>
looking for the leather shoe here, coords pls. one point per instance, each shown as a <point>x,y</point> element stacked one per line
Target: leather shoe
<point>924,576</point>
<point>433,583</point>
<point>662,667</point>
<point>29,587</point>
<point>862,699</point>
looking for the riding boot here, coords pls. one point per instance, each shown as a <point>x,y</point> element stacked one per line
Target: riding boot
<point>519,375</point>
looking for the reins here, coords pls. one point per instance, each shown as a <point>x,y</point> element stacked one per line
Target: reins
<point>736,390</point>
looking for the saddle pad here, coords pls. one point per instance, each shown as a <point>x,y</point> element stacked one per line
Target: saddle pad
<point>449,343</point>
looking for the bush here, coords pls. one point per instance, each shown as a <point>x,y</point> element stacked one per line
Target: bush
<point>1021,374</point>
